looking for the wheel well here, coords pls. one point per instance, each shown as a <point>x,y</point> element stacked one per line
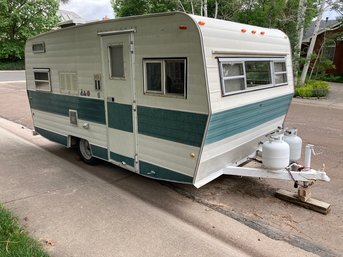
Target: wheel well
<point>73,141</point>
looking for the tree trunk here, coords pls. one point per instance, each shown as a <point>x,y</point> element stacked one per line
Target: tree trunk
<point>205,8</point>
<point>216,10</point>
<point>182,7</point>
<point>192,6</point>
<point>300,31</point>
<point>313,41</point>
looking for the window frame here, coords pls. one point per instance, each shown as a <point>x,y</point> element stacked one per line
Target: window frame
<point>279,73</point>
<point>325,51</point>
<point>42,70</point>
<point>163,91</point>
<point>271,60</point>
<point>39,51</point>
<point>110,63</point>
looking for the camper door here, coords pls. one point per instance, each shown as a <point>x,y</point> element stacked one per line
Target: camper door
<point>117,57</point>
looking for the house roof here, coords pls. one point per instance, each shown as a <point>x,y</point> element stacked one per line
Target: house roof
<point>324,26</point>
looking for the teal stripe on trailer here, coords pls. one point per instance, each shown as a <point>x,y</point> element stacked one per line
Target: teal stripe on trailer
<point>234,121</point>
<point>87,108</point>
<point>52,136</point>
<point>120,116</point>
<point>121,158</point>
<point>177,126</point>
<point>99,152</point>
<point>157,172</point>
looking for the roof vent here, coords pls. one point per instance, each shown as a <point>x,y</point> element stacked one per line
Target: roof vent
<point>69,23</point>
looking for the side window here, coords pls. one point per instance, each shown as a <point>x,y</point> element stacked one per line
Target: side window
<point>175,76</point>
<point>251,73</point>
<point>42,79</point>
<point>280,73</point>
<point>233,76</point>
<point>165,76</point>
<point>116,61</point>
<point>154,76</point>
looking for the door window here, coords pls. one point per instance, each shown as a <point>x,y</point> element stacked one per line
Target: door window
<point>116,58</point>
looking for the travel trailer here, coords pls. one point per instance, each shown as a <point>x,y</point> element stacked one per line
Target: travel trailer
<point>170,96</point>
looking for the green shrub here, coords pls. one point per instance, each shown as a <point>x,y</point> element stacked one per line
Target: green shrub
<point>312,88</point>
<point>330,77</point>
<point>12,65</point>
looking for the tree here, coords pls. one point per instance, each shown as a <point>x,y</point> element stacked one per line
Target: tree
<point>313,41</point>
<point>138,7</point>
<point>21,19</point>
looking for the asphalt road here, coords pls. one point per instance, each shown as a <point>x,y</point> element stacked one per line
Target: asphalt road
<point>7,76</point>
<point>249,201</point>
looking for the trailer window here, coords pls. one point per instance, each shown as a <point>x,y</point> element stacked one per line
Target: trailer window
<point>116,57</point>
<point>165,76</point>
<point>154,76</point>
<point>280,73</point>
<point>249,74</point>
<point>42,79</point>
<point>258,73</point>
<point>175,76</point>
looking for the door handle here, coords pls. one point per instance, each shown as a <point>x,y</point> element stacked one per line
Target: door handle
<point>110,99</point>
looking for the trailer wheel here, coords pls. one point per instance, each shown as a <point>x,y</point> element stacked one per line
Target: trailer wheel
<point>85,152</point>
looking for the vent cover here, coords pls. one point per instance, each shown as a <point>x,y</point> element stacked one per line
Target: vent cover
<point>68,82</point>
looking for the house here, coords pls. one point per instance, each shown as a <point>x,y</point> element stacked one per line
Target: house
<point>330,30</point>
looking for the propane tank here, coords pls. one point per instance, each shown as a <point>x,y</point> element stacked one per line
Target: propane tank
<point>295,144</point>
<point>275,153</point>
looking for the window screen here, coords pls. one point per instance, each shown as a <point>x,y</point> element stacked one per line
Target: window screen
<point>42,79</point>
<point>116,61</point>
<point>175,76</point>
<point>280,73</point>
<point>153,76</point>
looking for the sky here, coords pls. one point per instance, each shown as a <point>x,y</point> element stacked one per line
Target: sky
<point>90,10</point>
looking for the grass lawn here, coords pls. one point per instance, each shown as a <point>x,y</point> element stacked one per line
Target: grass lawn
<point>13,65</point>
<point>15,241</point>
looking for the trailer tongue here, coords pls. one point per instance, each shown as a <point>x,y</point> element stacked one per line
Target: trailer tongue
<point>277,159</point>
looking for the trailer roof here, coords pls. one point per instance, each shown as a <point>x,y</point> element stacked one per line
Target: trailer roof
<point>209,23</point>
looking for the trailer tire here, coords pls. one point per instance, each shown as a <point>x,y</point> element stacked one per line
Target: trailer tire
<point>86,153</point>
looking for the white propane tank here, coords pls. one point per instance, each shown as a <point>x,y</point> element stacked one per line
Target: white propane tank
<point>275,153</point>
<point>295,144</point>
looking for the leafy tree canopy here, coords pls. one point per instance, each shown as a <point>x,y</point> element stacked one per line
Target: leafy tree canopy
<point>21,19</point>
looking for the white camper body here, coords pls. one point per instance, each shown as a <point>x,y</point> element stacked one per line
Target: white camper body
<point>170,96</point>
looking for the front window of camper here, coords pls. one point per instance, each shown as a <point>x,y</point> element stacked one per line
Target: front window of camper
<point>248,74</point>
<point>258,73</point>
<point>165,76</point>
<point>42,79</point>
<point>233,75</point>
<point>280,73</point>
